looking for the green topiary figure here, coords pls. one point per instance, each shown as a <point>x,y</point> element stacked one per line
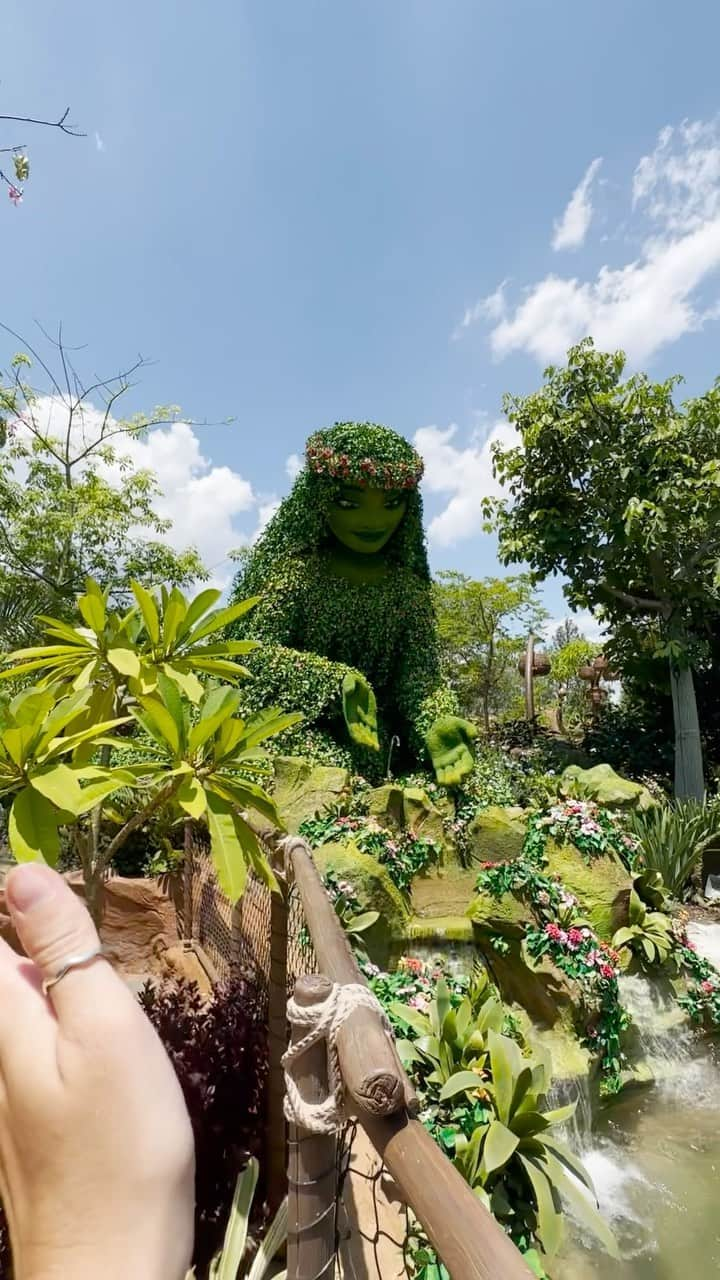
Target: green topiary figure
<point>346,616</point>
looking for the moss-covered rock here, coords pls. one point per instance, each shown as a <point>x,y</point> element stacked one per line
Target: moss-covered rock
<point>374,890</point>
<point>302,789</point>
<point>443,892</point>
<point>421,816</point>
<point>506,916</point>
<point>407,809</point>
<point>440,929</point>
<point>602,886</point>
<point>606,787</point>
<point>543,991</point>
<point>385,804</point>
<point>497,834</point>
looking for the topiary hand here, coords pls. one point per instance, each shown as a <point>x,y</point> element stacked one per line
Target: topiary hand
<point>448,741</point>
<point>360,711</point>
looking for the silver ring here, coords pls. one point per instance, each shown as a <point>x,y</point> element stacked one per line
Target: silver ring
<point>72,962</point>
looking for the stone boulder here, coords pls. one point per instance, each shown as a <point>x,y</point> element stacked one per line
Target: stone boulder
<point>385,804</point>
<point>603,785</point>
<point>302,789</point>
<point>497,834</point>
<point>374,891</point>
<point>602,886</point>
<point>407,809</point>
<point>544,993</point>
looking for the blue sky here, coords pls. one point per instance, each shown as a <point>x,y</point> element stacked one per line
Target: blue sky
<point>302,211</point>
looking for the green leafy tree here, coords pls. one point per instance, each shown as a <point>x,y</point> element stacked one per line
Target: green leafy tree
<point>72,506</point>
<point>569,651</point>
<point>481,629</point>
<point>617,487</point>
<point>156,665</point>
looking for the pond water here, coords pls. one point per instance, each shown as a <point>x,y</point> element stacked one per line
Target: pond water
<point>654,1156</point>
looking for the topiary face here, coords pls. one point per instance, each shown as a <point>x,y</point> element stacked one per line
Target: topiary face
<point>364,518</point>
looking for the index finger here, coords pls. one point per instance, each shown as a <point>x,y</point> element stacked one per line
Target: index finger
<point>54,927</point>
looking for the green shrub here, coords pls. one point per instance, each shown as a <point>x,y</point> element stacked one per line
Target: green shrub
<point>673,838</point>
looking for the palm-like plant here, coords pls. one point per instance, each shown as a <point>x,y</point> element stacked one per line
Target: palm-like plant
<point>158,665</point>
<point>202,765</point>
<point>673,838</point>
<point>121,654</point>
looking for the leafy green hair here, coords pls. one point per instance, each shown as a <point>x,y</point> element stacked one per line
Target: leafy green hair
<point>300,527</point>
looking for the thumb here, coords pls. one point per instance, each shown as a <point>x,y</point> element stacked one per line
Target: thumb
<point>54,927</point>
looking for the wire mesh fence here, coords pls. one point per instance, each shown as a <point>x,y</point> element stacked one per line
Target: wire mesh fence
<point>370,1228</point>
<point>353,1214</point>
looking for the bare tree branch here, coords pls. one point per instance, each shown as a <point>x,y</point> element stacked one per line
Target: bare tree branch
<point>60,124</point>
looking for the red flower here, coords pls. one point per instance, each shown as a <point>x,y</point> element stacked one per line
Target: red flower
<point>707,985</point>
<point>575,936</point>
<point>553,931</point>
<point>607,971</point>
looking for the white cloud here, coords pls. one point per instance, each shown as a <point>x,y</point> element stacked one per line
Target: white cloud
<point>572,228</point>
<point>661,293</point>
<point>463,473</point>
<point>203,501</point>
<point>99,144</point>
<point>490,308</point>
<point>293,465</point>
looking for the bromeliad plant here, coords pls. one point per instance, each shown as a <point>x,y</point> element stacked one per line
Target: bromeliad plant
<point>228,1264</point>
<point>484,1103</point>
<point>648,935</point>
<point>157,666</point>
<point>671,840</point>
<point>512,1160</point>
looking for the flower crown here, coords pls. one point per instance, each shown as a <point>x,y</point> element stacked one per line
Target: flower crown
<point>382,471</point>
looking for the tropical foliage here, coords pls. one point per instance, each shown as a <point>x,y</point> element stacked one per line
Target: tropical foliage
<point>151,674</point>
<point>483,1100</point>
<point>672,838</point>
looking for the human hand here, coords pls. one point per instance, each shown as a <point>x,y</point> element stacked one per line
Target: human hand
<point>96,1148</point>
<point>448,742</point>
<point>360,711</point>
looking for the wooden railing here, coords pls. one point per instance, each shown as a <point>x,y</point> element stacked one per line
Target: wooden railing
<point>464,1234</point>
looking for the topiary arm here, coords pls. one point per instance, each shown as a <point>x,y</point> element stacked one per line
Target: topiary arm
<point>428,704</point>
<point>421,693</point>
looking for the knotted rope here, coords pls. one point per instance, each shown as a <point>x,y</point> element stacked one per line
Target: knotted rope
<point>323,1021</point>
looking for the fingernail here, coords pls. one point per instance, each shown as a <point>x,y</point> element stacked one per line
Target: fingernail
<point>29,885</point>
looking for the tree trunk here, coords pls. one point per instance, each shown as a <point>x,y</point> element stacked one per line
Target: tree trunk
<point>689,776</point>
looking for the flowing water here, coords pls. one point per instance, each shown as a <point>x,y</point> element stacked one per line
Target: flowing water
<point>654,1156</point>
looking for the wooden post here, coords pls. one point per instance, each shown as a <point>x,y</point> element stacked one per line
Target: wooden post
<point>312,1169</point>
<point>529,671</point>
<point>275,1143</point>
<point>189,849</point>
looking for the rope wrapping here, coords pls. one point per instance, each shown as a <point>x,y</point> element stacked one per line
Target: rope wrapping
<point>323,1022</point>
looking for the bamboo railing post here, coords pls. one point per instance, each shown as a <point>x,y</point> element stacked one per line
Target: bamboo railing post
<point>275,1142</point>
<point>372,1072</point>
<point>312,1169</point>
